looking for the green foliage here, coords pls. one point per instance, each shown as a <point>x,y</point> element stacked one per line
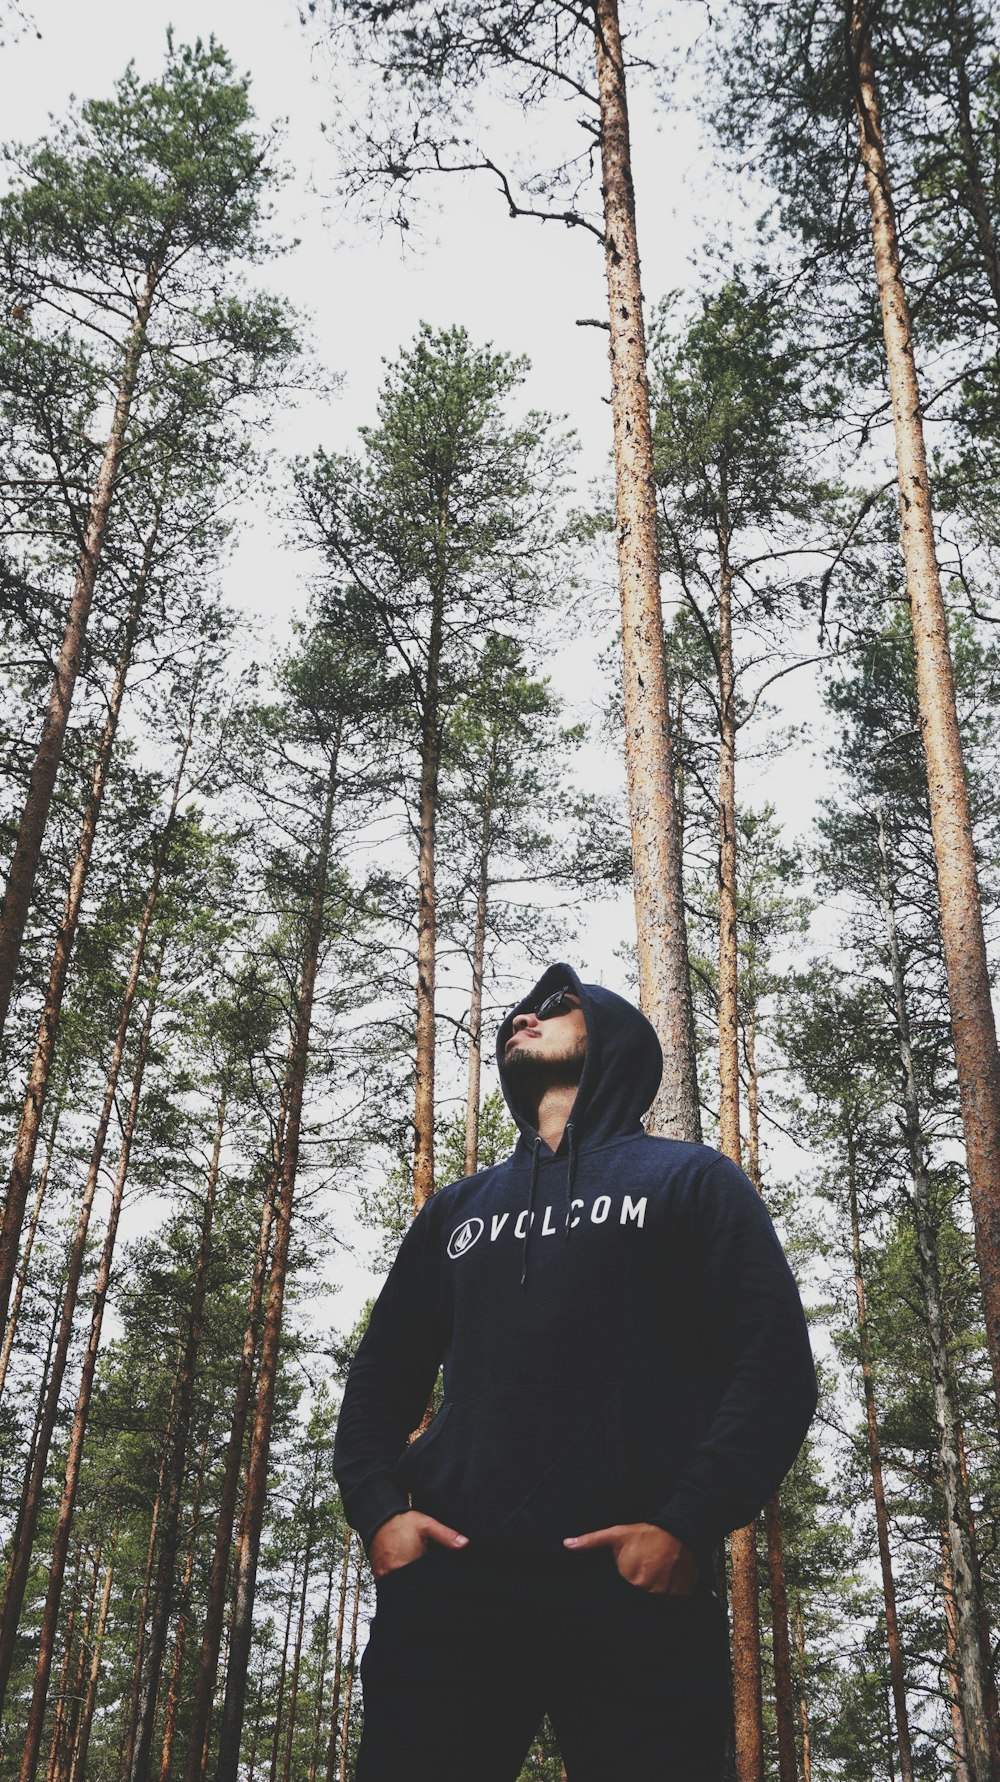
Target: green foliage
<point>497,1138</point>
<point>447,518</point>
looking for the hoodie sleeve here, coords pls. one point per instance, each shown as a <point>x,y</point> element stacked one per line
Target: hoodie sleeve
<point>751,1321</point>
<point>389,1383</point>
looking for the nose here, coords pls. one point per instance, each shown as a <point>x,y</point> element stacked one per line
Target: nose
<point>527,1019</point>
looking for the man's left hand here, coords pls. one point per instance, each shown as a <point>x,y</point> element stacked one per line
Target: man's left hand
<point>646,1556</point>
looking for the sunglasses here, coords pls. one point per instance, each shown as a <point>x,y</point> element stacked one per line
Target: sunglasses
<point>557,1004</point>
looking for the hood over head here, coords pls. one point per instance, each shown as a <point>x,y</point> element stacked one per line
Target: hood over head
<point>621,1071</point>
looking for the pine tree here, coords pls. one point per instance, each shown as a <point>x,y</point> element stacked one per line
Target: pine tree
<point>443,526</point>
<point>433,64</point>
<point>121,232</point>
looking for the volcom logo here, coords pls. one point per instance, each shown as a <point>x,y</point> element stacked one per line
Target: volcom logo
<point>464,1236</point>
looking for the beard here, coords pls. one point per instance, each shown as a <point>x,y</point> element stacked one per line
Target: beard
<point>560,1070</point>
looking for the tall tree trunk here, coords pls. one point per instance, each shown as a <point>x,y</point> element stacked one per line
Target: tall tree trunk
<point>804,1727</point>
<point>293,1693</point>
<point>211,1640</point>
<point>985,1636</point>
<point>729,1043</point>
<point>971,1678</point>
<point>338,1663</point>
<point>61,1699</point>
<point>317,1732</point>
<point>748,1702</point>
<point>181,1630</point>
<point>29,1244</point>
<point>784,1694</point>
<point>960,1769</point>
<point>664,987</point>
<point>897,1675</point>
<point>78,1431</point>
<point>753,1085</point>
<point>889,1743</point>
<point>258,1719</point>
<point>175,1488</point>
<point>31,829</point>
<point>283,1669</point>
<point>962,939</point>
<point>260,1441</point>
<point>345,1719</point>
<point>48,1025</point>
<point>142,1617</point>
<point>78,1761</point>
<point>40,1402</point>
<point>423,1064</point>
<point>471,1163</point>
<point>21,1558</point>
<point>60,1761</point>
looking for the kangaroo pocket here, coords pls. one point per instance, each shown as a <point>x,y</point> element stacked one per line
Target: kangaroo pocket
<point>525,1467</point>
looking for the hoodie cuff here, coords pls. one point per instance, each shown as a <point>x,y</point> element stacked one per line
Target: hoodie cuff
<point>699,1540</point>
<point>373,1502</point>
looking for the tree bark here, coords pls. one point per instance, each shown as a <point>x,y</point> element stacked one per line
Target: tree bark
<point>985,1637</point>
<point>784,1696</point>
<point>897,1675</point>
<point>804,1727</point>
<point>962,938</point>
<point>64,1760</point>
<point>211,1641</point>
<point>48,1026</point>
<point>67,1505</point>
<point>21,1557</point>
<point>31,829</point>
<point>208,1657</point>
<point>748,1701</point>
<point>29,1244</point>
<point>471,1163</point>
<point>163,1594</point>
<point>135,1691</point>
<point>260,1441</point>
<point>423,1069</point>
<point>181,1630</point>
<point>60,1713</point>
<point>40,1400</point>
<point>960,1770</point>
<point>664,987</point>
<point>729,1043</point>
<point>78,1762</point>
<point>257,1723</point>
<point>345,1721</point>
<point>293,1694</point>
<point>321,1683</point>
<point>338,1663</point>
<point>971,1678</point>
<point>282,1672</point>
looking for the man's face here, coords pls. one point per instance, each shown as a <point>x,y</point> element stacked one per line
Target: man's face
<point>551,1051</point>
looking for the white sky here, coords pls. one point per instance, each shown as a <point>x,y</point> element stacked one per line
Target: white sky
<point>520,284</point>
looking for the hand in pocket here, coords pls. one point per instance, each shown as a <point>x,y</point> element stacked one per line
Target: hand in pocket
<point>646,1556</point>
<point>406,1537</point>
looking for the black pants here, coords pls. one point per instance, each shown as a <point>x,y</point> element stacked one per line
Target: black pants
<point>466,1654</point>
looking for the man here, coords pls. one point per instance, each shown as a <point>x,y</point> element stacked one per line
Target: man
<point>627,1377</point>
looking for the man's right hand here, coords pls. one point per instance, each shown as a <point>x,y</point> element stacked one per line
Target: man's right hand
<point>405,1537</point>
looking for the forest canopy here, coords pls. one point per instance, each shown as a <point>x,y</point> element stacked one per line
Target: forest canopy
<point>534,501</point>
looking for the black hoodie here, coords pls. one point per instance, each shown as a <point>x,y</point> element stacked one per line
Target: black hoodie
<point>622,1337</point>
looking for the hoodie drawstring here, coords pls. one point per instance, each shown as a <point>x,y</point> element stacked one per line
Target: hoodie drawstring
<point>535,1150</point>
<point>570,1174</point>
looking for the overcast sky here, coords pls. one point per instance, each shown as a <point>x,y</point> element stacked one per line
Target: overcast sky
<point>518,284</point>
